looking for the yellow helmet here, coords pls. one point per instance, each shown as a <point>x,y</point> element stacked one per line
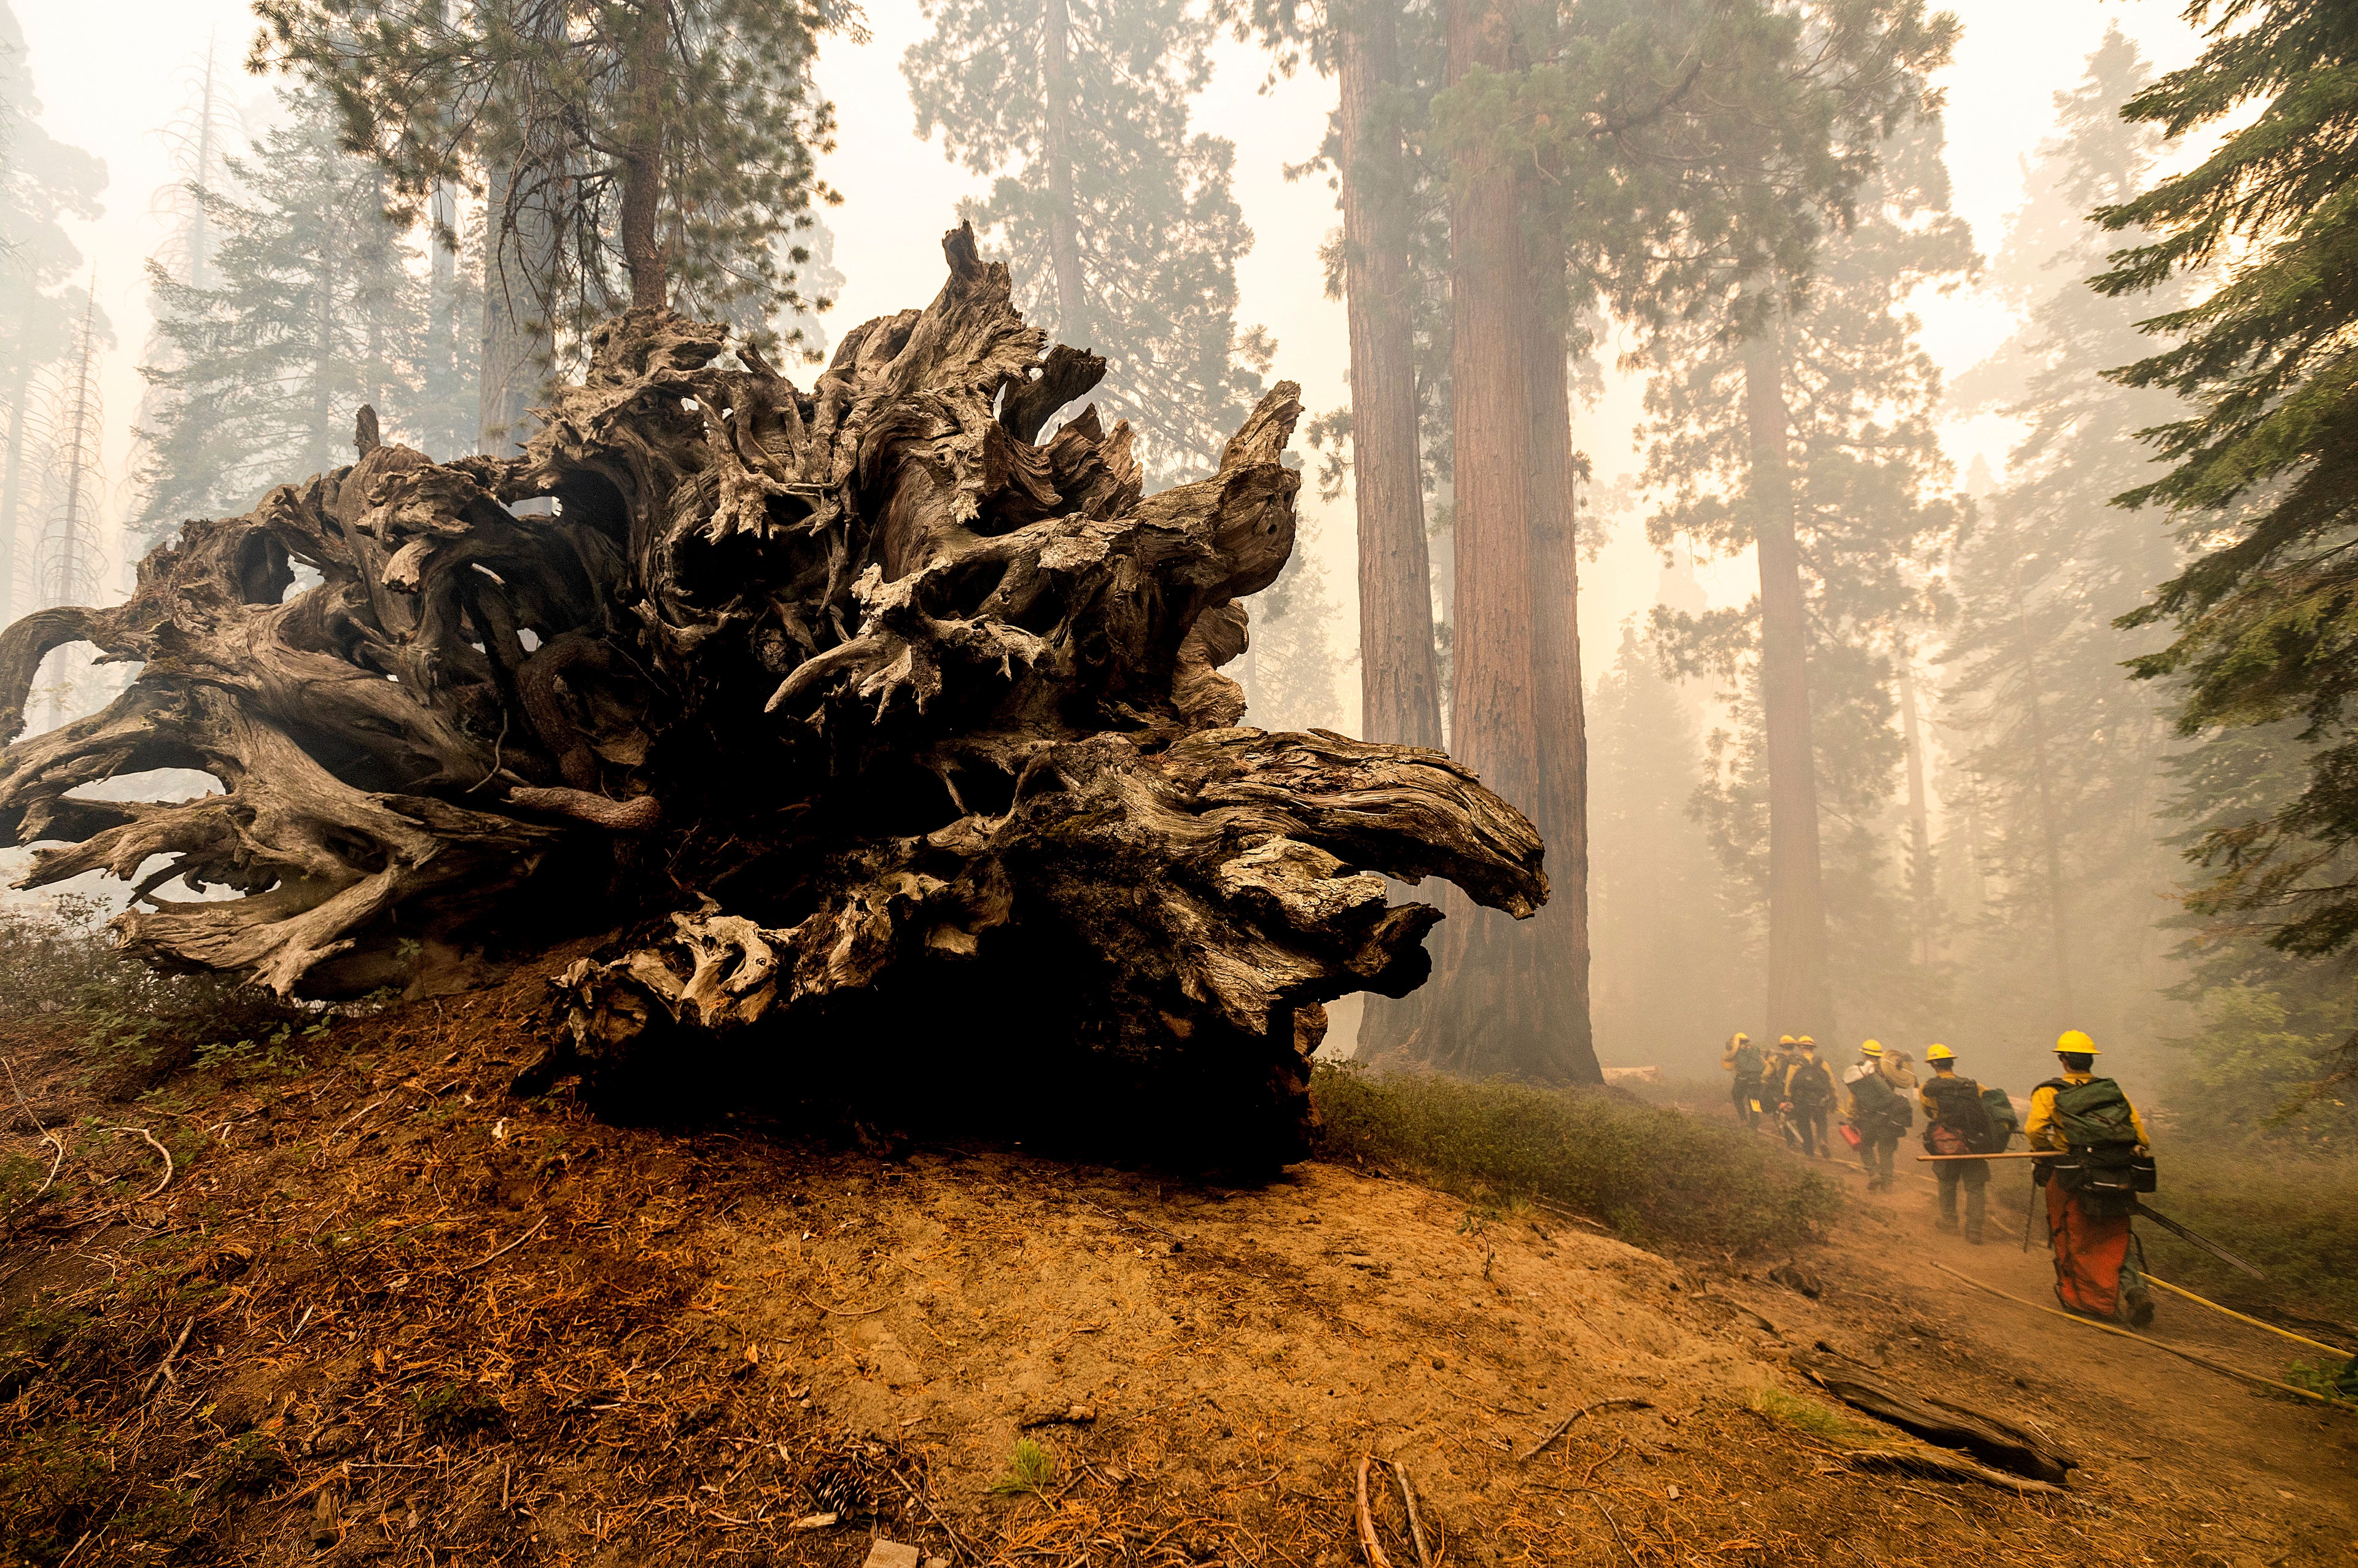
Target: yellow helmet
<point>1939,1054</point>
<point>1784,1040</point>
<point>1741,1038</point>
<point>1805,1039</point>
<point>1871,1048</point>
<point>2075,1042</point>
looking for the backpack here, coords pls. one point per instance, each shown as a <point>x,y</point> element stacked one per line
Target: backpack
<point>1813,1084</point>
<point>1957,1107</point>
<point>2093,1115</point>
<point>2004,1124</point>
<point>1750,1065</point>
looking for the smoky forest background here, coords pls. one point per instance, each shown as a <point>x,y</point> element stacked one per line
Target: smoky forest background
<point>1903,616</point>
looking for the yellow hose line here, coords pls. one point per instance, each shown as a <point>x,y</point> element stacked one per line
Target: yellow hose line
<point>2239,1317</point>
<point>2141,1339</point>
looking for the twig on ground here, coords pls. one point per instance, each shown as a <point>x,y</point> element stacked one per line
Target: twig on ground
<point>164,1368</point>
<point>1415,1524</point>
<point>843,1312</point>
<point>51,1139</point>
<point>1599,1504</point>
<point>536,1230</point>
<point>159,1149</point>
<point>1566,1424</point>
<point>1368,1542</point>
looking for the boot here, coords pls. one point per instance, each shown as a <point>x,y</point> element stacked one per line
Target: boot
<point>1973,1238</point>
<point>1948,1222</point>
<point>2139,1300</point>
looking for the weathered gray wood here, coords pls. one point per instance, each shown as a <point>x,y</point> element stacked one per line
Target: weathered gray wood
<point>827,708</point>
<point>1988,1437</point>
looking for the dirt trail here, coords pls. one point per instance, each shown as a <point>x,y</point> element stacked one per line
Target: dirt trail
<point>429,1323</point>
<point>2250,1476</point>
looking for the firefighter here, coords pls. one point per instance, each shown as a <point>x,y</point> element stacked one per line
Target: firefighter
<point>2090,1123</point>
<point>1878,1114</point>
<point>1956,1122</point>
<point>1772,1086</point>
<point>1809,1095</point>
<point>1750,1065</point>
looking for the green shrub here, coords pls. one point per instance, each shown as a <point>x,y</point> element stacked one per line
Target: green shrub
<point>2293,1218</point>
<point>1654,1174</point>
<point>1029,1472</point>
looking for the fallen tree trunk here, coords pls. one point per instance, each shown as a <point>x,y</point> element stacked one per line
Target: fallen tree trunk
<point>871,731</point>
<point>1990,1438</point>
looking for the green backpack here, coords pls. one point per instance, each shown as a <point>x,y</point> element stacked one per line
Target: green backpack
<point>1750,1065</point>
<point>2004,1124</point>
<point>2093,1115</point>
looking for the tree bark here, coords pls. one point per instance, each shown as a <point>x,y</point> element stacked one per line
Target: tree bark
<point>1561,735</point>
<point>1922,888</point>
<point>1073,322</point>
<point>1800,999</point>
<point>859,729</point>
<point>1400,687</point>
<point>643,157</point>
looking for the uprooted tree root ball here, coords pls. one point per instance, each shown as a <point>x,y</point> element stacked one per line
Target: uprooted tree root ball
<point>883,744</point>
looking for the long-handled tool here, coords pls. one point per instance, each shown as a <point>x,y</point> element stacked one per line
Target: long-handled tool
<point>2010,1154</point>
<point>2207,1245</point>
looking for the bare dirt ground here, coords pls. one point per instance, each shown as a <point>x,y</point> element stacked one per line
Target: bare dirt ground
<point>384,1314</point>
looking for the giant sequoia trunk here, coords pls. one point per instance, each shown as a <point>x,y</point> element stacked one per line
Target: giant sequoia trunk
<point>1801,993</point>
<point>887,747</point>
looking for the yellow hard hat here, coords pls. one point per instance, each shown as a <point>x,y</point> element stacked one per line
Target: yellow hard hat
<point>1939,1054</point>
<point>1784,1040</point>
<point>1805,1039</point>
<point>2073,1042</point>
<point>1742,1038</point>
<point>1871,1048</point>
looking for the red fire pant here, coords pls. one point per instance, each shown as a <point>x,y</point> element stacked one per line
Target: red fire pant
<point>2088,1253</point>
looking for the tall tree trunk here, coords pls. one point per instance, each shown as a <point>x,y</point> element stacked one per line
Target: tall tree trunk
<point>1399,685</point>
<point>1561,930</point>
<point>519,255</point>
<point>1800,999</point>
<point>12,481</point>
<point>643,148</point>
<point>2050,826</point>
<point>1920,884</point>
<point>1073,324</point>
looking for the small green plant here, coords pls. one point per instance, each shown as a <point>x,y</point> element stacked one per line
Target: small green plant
<point>1029,1473</point>
<point>249,1465</point>
<point>2334,1379</point>
<point>448,1410</point>
<point>1820,1422</point>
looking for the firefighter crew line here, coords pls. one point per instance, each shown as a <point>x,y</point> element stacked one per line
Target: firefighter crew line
<point>2090,1150</point>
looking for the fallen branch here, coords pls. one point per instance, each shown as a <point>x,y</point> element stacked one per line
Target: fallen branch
<point>1415,1524</point>
<point>164,1368</point>
<point>1368,1543</point>
<point>159,1149</point>
<point>844,1311</point>
<point>511,1247</point>
<point>51,1139</point>
<point>1939,1465</point>
<point>1566,1424</point>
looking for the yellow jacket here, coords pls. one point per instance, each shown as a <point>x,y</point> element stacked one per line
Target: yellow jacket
<point>2040,1128</point>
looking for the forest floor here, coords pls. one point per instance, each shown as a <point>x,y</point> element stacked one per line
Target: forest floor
<point>382,1313</point>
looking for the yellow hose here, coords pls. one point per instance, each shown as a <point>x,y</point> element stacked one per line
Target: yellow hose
<point>2239,1317</point>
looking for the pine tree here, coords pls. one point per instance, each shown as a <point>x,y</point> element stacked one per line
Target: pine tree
<point>2265,481</point>
<point>1811,437</point>
<point>2064,757</point>
<point>1288,670</point>
<point>317,309</point>
<point>640,152</point>
<point>41,182</point>
<point>1120,226</point>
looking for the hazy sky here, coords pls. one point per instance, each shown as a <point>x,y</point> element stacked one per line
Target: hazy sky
<point>110,73</point>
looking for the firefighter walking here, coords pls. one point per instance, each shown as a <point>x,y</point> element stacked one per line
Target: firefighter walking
<point>1809,1095</point>
<point>1749,1064</point>
<point>1957,1122</point>
<point>2101,1144</point>
<point>1878,1114</point>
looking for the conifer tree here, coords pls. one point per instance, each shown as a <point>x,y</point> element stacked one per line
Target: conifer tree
<point>2265,470</point>
<point>2064,756</point>
<point>41,301</point>
<point>1810,437</point>
<point>1120,226</point>
<point>630,152</point>
<point>316,309</point>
